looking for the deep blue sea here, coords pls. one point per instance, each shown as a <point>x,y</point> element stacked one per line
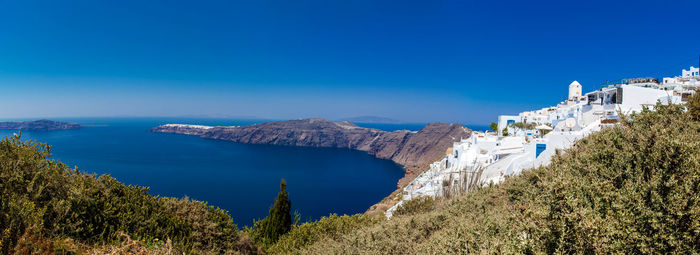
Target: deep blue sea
<point>241,178</point>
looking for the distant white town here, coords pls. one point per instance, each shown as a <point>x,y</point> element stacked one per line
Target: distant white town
<point>530,139</point>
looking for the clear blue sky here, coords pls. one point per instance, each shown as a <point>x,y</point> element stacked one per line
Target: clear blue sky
<point>418,61</point>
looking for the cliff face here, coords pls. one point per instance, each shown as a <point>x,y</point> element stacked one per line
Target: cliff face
<point>39,125</point>
<point>413,150</point>
<point>306,132</point>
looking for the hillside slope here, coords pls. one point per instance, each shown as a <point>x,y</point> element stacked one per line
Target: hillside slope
<point>629,189</point>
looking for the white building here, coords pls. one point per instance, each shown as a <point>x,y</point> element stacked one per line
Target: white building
<point>685,84</point>
<point>506,120</point>
<point>575,90</point>
<point>691,72</point>
<point>553,128</point>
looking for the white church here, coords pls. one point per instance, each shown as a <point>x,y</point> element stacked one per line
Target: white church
<point>575,90</point>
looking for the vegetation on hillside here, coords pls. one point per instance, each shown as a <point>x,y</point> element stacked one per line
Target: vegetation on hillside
<point>420,204</point>
<point>332,227</point>
<point>46,206</point>
<point>694,106</point>
<point>632,188</point>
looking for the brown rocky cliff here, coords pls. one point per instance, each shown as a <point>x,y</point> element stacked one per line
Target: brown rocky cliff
<point>425,146</point>
<point>413,150</point>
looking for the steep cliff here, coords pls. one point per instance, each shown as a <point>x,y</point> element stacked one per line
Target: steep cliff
<point>413,150</point>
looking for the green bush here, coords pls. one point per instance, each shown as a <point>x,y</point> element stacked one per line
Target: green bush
<point>524,126</point>
<point>331,227</point>
<point>632,189</point>
<point>416,205</point>
<point>694,105</point>
<point>211,229</point>
<point>43,198</point>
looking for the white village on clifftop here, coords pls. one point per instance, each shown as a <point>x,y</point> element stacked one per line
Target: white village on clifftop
<point>530,139</point>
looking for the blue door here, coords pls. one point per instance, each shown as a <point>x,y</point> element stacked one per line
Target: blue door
<point>539,149</point>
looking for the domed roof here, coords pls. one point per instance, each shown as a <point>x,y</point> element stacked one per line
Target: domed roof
<point>575,83</point>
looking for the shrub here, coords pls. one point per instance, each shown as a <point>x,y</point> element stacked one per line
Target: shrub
<point>42,199</point>
<point>694,105</point>
<point>211,229</point>
<point>330,227</point>
<point>524,126</point>
<point>420,204</point>
<point>609,121</point>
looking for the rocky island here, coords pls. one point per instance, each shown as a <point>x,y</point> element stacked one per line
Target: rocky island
<point>39,125</point>
<point>414,150</point>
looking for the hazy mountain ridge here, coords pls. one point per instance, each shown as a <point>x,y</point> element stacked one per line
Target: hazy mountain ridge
<point>39,125</point>
<point>373,120</point>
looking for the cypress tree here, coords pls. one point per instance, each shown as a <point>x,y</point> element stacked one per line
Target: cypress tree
<point>279,222</point>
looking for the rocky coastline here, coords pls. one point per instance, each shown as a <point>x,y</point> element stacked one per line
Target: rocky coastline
<point>414,150</point>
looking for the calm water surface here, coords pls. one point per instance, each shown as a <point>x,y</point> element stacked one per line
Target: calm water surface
<point>241,178</point>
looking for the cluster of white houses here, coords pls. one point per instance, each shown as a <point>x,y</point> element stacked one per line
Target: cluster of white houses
<point>531,138</point>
